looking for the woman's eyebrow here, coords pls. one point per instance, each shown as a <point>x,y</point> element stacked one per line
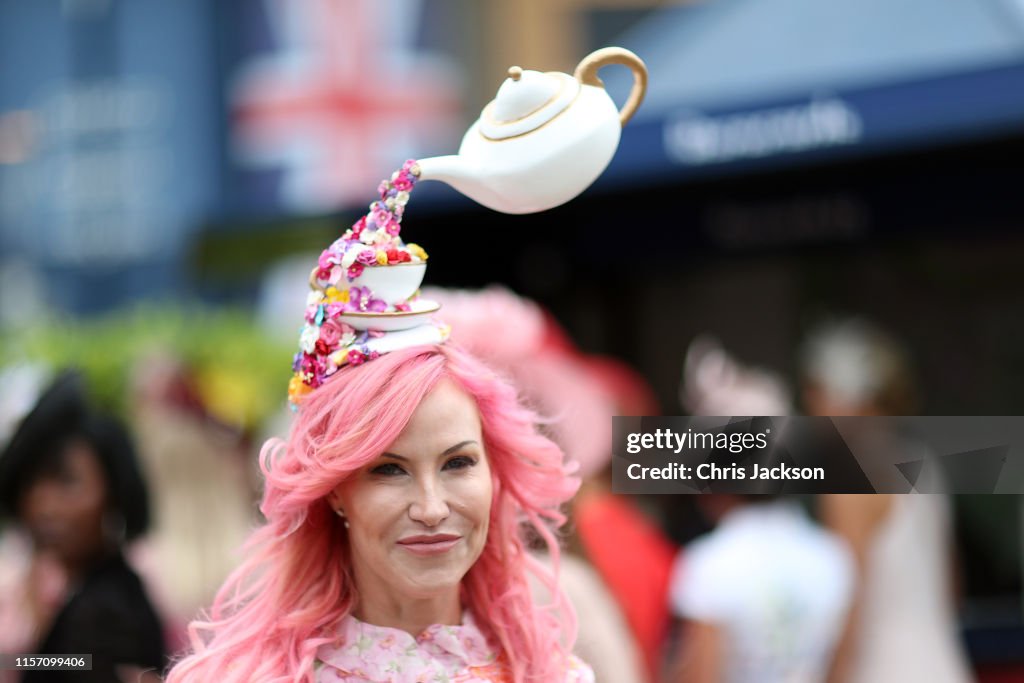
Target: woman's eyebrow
<point>457,447</point>
<point>448,451</point>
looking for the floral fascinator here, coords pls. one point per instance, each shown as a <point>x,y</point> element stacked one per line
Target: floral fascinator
<point>364,299</point>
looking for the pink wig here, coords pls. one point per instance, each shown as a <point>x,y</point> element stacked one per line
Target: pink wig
<point>289,596</point>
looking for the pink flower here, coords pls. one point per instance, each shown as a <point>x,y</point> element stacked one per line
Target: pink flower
<point>331,332</point>
<point>367,257</point>
<point>362,299</point>
<point>356,357</point>
<point>381,216</point>
<point>312,369</point>
<point>358,227</point>
<point>327,259</point>
<point>355,270</point>
<point>402,183</point>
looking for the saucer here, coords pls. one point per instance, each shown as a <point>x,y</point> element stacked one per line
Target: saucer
<point>420,312</point>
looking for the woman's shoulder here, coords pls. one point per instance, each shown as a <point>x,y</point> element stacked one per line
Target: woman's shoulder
<point>110,610</point>
<point>113,588</point>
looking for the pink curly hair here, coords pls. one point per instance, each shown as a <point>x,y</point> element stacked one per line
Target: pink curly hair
<point>289,596</point>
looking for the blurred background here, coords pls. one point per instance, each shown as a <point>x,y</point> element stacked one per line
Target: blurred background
<point>170,170</point>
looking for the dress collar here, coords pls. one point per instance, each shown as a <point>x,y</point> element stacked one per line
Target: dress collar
<point>382,653</point>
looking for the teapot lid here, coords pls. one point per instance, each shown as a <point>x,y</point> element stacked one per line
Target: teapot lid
<point>526,101</point>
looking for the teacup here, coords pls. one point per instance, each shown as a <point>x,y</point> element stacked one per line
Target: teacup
<point>393,283</point>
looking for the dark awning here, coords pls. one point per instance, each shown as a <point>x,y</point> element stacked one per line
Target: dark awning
<point>738,85</point>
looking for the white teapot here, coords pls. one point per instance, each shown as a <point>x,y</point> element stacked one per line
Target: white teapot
<point>543,139</point>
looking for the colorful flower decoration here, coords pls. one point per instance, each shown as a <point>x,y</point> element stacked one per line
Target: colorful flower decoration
<point>374,239</point>
<point>325,342</point>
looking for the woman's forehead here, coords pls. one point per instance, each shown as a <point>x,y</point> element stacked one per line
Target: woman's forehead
<point>447,415</point>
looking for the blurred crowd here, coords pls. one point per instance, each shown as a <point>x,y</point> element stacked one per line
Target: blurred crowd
<point>133,522</point>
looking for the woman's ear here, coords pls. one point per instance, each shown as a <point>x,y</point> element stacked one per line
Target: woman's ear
<point>334,499</point>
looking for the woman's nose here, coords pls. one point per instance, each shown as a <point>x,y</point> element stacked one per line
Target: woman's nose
<point>43,501</point>
<point>430,506</point>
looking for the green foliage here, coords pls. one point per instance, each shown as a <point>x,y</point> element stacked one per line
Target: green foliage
<point>242,375</point>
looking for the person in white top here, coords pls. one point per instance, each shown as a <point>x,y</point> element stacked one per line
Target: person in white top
<point>763,597</point>
<point>903,627</point>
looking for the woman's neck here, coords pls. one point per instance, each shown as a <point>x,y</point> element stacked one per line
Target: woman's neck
<point>78,568</point>
<point>410,615</point>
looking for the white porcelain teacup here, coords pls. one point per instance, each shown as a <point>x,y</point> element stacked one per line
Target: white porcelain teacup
<point>393,283</point>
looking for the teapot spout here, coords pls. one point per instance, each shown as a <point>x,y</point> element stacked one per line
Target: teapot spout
<point>454,170</point>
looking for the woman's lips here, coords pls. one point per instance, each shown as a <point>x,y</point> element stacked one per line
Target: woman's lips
<point>429,545</point>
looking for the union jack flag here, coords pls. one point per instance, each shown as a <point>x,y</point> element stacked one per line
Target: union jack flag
<point>343,96</point>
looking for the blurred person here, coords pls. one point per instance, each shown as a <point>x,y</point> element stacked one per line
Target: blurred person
<point>764,595</point>
<point>607,523</point>
<point>69,479</point>
<point>578,395</point>
<point>715,383</point>
<point>31,584</point>
<point>203,506</point>
<point>903,624</point>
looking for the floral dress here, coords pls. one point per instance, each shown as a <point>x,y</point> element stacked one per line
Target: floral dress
<point>365,653</point>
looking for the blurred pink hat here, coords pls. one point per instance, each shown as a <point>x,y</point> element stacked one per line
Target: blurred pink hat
<point>577,392</point>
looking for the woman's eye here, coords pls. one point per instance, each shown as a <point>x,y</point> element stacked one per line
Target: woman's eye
<point>387,469</point>
<point>459,462</point>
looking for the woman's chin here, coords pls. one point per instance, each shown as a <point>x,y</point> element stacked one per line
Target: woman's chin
<point>429,583</point>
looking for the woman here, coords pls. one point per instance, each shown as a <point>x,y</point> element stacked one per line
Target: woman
<point>395,543</point>
<point>70,479</point>
<point>903,625</point>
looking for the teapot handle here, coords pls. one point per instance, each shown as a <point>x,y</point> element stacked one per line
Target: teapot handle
<point>314,281</point>
<point>586,72</point>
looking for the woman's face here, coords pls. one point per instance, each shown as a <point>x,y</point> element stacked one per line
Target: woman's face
<point>63,507</point>
<point>418,514</point>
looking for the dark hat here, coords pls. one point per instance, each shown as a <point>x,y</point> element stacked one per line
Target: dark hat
<point>62,412</point>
